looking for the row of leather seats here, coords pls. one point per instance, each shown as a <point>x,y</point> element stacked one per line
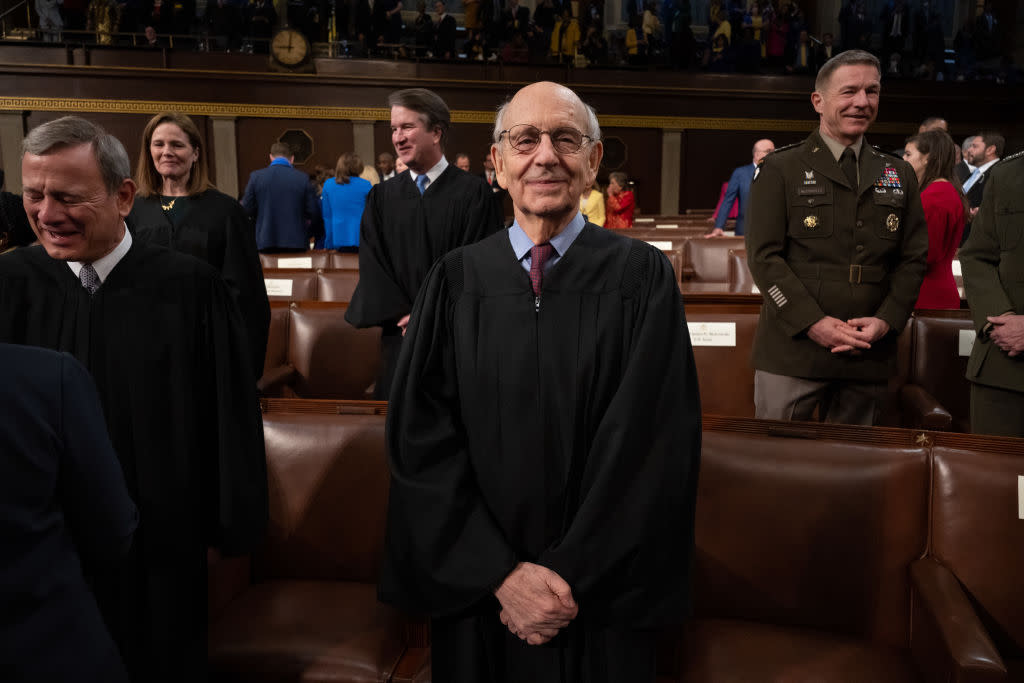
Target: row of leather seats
<point>314,353</point>
<point>824,553</point>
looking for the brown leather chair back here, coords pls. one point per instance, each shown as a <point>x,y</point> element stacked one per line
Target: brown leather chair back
<point>977,533</point>
<point>810,533</point>
<point>277,340</point>
<point>724,373</point>
<point>675,257</point>
<point>337,285</point>
<point>345,260</point>
<point>290,284</point>
<point>328,481</point>
<point>938,366</point>
<point>740,279</point>
<point>332,358</point>
<point>709,258</point>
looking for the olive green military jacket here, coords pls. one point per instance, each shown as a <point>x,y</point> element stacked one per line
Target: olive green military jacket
<point>993,265</point>
<point>818,246</point>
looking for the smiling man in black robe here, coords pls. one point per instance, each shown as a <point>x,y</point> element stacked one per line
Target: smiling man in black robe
<point>163,339</point>
<point>544,431</point>
<point>429,210</point>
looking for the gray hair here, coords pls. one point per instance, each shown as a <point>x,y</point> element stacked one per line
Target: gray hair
<point>967,142</point>
<point>432,109</point>
<point>848,58</point>
<point>72,131</point>
<point>593,128</point>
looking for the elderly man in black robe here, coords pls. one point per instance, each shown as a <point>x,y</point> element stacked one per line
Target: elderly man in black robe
<point>164,341</point>
<point>544,431</point>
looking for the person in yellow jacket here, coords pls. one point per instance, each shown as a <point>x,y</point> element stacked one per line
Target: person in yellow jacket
<point>592,205</point>
<point>566,37</point>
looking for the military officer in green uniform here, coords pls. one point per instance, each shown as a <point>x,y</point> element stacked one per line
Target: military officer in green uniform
<point>837,243</point>
<point>993,266</point>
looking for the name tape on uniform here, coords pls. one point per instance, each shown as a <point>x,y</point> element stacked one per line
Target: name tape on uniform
<point>277,287</point>
<point>712,334</point>
<point>660,244</point>
<point>295,262</point>
<point>966,342</point>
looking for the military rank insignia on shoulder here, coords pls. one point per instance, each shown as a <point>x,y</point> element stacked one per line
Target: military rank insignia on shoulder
<point>884,152</point>
<point>1012,157</point>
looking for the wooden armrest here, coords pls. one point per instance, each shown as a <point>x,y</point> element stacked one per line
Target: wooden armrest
<point>922,411</point>
<point>275,378</point>
<point>948,641</point>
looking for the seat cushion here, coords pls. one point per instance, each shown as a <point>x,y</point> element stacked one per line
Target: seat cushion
<point>324,631</point>
<point>723,650</point>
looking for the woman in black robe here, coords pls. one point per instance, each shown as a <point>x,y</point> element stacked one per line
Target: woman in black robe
<point>178,207</point>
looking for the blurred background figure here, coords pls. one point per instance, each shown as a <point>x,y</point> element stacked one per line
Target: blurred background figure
<point>620,203</point>
<point>592,204</point>
<point>178,207</point>
<point>932,154</point>
<point>14,228</point>
<point>66,514</point>
<point>343,201</point>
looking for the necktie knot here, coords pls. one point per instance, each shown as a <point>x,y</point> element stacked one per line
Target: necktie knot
<point>848,162</point>
<point>421,182</point>
<point>538,257</point>
<point>89,278</point>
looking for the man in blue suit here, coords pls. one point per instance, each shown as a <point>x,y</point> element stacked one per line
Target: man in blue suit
<point>66,513</point>
<point>282,202</point>
<point>739,186</point>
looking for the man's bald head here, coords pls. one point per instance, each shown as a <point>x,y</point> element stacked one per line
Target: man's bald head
<point>558,95</point>
<point>762,148</point>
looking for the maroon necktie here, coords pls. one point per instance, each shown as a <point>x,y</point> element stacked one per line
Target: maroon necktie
<point>538,257</point>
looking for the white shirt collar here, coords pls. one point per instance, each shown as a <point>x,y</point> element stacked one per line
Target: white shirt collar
<point>984,167</point>
<point>433,173</point>
<point>105,264</point>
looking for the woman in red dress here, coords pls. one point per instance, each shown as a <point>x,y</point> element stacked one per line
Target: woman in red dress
<point>932,154</point>
<point>620,203</point>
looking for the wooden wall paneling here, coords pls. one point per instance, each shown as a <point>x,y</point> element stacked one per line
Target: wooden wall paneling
<point>255,136</point>
<point>125,127</point>
<point>641,163</point>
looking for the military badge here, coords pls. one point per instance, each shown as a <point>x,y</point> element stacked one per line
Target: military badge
<point>892,222</point>
<point>811,222</point>
<point>889,178</point>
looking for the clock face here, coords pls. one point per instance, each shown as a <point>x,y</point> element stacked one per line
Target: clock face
<point>289,47</point>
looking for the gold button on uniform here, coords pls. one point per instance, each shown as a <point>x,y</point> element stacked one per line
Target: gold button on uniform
<point>811,222</point>
<point>892,222</point>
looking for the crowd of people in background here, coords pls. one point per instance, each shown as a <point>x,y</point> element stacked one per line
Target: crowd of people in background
<point>743,36</point>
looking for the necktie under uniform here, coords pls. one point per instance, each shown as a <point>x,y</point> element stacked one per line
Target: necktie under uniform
<point>89,278</point>
<point>848,162</point>
<point>421,182</point>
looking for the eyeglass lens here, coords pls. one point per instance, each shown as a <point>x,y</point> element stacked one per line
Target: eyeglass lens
<point>525,138</point>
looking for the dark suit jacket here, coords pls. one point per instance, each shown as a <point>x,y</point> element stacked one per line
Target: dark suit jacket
<point>283,203</point>
<point>64,508</point>
<point>962,172</point>
<point>977,190</point>
<point>444,38</point>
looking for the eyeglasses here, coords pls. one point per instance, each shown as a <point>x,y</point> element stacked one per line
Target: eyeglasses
<point>525,138</point>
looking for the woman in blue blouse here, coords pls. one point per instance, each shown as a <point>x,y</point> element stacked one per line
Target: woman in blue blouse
<point>343,200</point>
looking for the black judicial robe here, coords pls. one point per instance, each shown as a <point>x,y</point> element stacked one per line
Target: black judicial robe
<point>214,228</point>
<point>165,345</point>
<point>401,235</point>
<point>567,436</point>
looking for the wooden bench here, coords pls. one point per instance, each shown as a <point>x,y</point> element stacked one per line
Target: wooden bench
<point>311,260</point>
<point>325,284</point>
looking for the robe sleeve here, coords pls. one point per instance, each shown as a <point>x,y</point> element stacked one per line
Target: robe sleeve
<point>378,299</point>
<point>244,277</point>
<point>484,217</point>
<point>92,490</point>
<point>235,484</point>
<point>628,550</point>
<point>444,550</point>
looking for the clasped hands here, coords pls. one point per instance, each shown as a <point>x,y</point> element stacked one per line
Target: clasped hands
<point>536,603</point>
<point>851,336</point>
<point>1007,333</point>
